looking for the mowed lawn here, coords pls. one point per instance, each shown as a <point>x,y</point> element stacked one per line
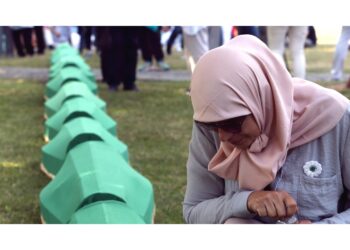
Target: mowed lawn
<point>155,123</point>
<point>21,116</point>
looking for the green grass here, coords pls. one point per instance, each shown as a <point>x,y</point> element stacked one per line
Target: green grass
<point>36,61</point>
<point>346,92</point>
<point>176,60</point>
<point>21,110</point>
<point>155,124</point>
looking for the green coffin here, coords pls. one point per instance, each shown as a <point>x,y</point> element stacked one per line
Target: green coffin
<point>61,51</point>
<point>71,61</point>
<point>71,91</point>
<point>75,108</point>
<point>65,77</point>
<point>73,133</point>
<point>61,46</point>
<point>94,172</point>
<point>106,212</point>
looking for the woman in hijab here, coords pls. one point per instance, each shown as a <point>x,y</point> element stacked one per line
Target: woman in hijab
<point>265,147</point>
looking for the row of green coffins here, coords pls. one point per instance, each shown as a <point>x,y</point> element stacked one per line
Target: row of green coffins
<point>92,181</point>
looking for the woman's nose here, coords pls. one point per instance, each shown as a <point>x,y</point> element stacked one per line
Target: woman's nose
<point>224,135</point>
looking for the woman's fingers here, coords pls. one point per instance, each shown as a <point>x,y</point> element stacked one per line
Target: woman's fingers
<point>275,204</point>
<point>291,206</point>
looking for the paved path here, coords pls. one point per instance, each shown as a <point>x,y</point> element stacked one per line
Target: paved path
<point>41,74</point>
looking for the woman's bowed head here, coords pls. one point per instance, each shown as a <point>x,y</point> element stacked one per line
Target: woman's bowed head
<point>244,79</point>
<point>259,112</point>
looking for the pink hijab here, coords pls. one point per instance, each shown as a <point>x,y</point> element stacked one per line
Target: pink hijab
<point>244,77</point>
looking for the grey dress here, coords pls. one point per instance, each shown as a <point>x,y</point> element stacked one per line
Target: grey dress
<point>321,199</point>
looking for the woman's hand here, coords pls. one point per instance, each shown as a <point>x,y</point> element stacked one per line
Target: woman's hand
<point>274,204</point>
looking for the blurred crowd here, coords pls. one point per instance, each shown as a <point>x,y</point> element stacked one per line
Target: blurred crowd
<point>30,40</point>
<point>120,47</point>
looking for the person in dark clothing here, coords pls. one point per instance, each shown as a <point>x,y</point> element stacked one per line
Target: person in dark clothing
<point>248,30</point>
<point>40,41</point>
<point>258,31</point>
<point>6,41</point>
<point>150,46</point>
<point>25,33</point>
<point>311,39</point>
<point>177,31</point>
<point>85,33</point>
<point>118,53</point>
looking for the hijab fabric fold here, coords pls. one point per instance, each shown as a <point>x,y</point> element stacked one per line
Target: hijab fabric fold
<point>244,77</point>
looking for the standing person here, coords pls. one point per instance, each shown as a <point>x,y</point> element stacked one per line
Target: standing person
<point>23,33</point>
<point>48,37</point>
<point>311,38</point>
<point>258,31</point>
<point>215,36</point>
<point>265,147</point>
<point>61,34</point>
<point>85,33</point>
<point>40,41</point>
<point>348,83</point>
<point>118,53</point>
<point>248,30</point>
<point>151,47</point>
<point>296,35</point>
<point>196,43</point>
<point>340,54</point>
<point>6,39</point>
<point>177,31</point>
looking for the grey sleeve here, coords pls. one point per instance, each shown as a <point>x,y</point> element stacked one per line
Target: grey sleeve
<point>344,216</point>
<point>206,200</point>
